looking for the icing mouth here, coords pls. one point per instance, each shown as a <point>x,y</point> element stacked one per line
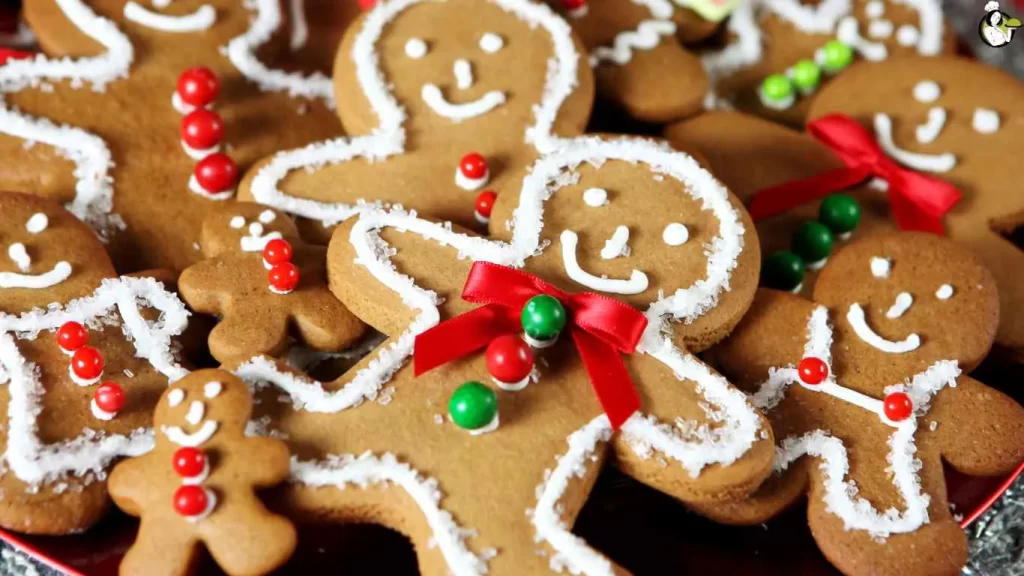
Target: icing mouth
<point>258,243</point>
<point>181,438</point>
<point>433,97</point>
<point>860,327</point>
<point>636,284</point>
<point>201,19</point>
<point>936,163</point>
<point>60,272</point>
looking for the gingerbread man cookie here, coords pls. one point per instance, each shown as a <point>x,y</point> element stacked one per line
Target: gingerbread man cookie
<point>445,101</point>
<point>779,53</point>
<point>265,285</point>
<point>197,487</point>
<point>139,122</point>
<point>583,235</point>
<point>83,357</point>
<point>867,391</point>
<point>955,120</point>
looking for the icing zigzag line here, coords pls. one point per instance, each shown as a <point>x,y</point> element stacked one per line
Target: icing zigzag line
<point>646,36</point>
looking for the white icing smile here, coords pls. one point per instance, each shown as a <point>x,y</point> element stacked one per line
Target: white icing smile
<point>181,438</point>
<point>860,327</point>
<point>636,284</point>
<point>201,19</point>
<point>463,72</point>
<point>60,272</point>
<point>937,163</point>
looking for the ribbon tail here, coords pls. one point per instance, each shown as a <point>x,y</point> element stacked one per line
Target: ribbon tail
<point>460,336</point>
<point>609,377</point>
<point>775,200</point>
<point>909,216</point>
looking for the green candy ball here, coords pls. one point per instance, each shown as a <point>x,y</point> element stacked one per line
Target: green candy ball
<point>806,75</point>
<point>473,405</point>
<point>812,241</point>
<point>840,212</point>
<point>783,270</point>
<point>543,317</point>
<point>777,88</point>
<point>835,56</point>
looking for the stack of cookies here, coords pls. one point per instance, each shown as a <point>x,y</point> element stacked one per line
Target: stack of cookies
<point>271,262</point>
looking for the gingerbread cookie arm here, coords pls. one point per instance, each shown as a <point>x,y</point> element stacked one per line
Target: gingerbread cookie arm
<point>267,462</point>
<point>658,85</point>
<point>127,485</point>
<point>980,430</point>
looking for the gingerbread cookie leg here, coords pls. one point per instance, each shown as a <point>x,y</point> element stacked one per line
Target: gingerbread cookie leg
<point>160,552</point>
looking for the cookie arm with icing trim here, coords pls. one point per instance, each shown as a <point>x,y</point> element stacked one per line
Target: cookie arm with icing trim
<point>127,485</point>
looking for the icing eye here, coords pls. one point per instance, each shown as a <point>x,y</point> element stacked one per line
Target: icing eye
<point>595,197</point>
<point>415,48</point>
<point>175,397</point>
<point>267,216</point>
<point>927,92</point>
<point>491,43</point>
<point>37,223</point>
<point>212,389</point>
<point>985,121</point>
<point>880,267</point>
<point>238,222</point>
<point>945,292</point>
<point>675,234</point>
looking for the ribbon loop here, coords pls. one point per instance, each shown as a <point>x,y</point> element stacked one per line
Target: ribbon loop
<point>918,202</point>
<point>602,328</point>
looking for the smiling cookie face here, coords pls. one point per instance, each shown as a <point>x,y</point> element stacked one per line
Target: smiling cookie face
<point>244,227</point>
<point>196,411</point>
<point>47,255</point>
<point>481,74</point>
<point>910,299</point>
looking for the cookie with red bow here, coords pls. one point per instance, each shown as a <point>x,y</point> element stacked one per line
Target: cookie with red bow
<point>197,487</point>
<point>84,354</point>
<point>867,390</point>
<point>140,117</point>
<point>267,287</point>
<point>445,104</point>
<point>516,367</point>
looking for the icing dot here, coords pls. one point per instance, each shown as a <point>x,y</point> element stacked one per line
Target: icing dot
<point>37,223</point>
<point>907,35</point>
<point>944,292</point>
<point>491,43</point>
<point>415,48</point>
<point>212,389</point>
<point>595,197</point>
<point>255,229</point>
<point>927,91</point>
<point>675,234</point>
<point>880,29</point>
<point>874,9</point>
<point>175,397</point>
<point>880,267</point>
<point>985,121</point>
<point>237,222</point>
<point>267,216</point>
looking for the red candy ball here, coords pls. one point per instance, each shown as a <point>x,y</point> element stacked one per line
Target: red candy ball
<point>217,173</point>
<point>277,251</point>
<point>509,359</point>
<point>367,4</point>
<point>190,500</point>
<point>71,336</point>
<point>198,86</point>
<point>574,4</point>
<point>898,406</point>
<point>284,277</point>
<point>189,462</point>
<point>202,129</point>
<point>485,203</point>
<point>109,397</point>
<point>87,363</point>
<point>473,166</point>
<point>813,371</point>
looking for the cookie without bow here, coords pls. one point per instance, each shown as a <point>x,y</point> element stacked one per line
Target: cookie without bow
<point>93,124</point>
<point>495,486</point>
<point>263,305</point>
<point>958,120</point>
<point>866,387</point>
<point>197,485</point>
<point>84,355</point>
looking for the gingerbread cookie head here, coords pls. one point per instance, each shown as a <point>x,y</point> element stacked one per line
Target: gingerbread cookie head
<point>197,486</point>
<point>265,285</point>
<point>48,255</point>
<point>953,119</point>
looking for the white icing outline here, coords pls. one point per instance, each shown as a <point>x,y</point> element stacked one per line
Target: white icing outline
<point>904,300</point>
<point>300,28</point>
<point>935,163</point>
<point>927,133</point>
<point>636,284</point>
<point>59,273</point>
<point>34,462</point>
<point>389,137</point>
<point>197,21</point>
<point>855,316</point>
<point>190,440</point>
<point>840,496</point>
<point>646,36</point>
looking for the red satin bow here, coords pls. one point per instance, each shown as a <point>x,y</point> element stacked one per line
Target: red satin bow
<point>601,328</point>
<point>918,202</point>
